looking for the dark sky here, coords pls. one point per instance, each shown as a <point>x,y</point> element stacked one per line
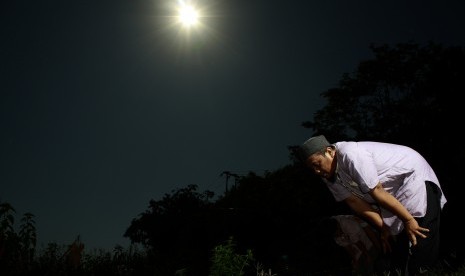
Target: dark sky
<point>105,104</point>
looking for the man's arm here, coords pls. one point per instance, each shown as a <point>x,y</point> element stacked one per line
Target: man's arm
<point>371,215</point>
<point>365,210</point>
<point>389,202</point>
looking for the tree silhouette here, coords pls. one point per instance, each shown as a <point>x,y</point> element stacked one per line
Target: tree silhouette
<point>28,237</point>
<point>278,216</point>
<point>397,96</point>
<point>275,215</point>
<point>9,249</point>
<point>16,249</point>
<point>178,230</point>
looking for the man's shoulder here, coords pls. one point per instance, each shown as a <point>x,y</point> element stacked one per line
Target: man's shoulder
<point>347,146</point>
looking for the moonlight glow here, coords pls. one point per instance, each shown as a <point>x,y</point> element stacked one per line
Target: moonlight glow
<point>188,16</point>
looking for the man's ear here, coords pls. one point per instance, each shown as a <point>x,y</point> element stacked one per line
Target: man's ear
<point>330,151</point>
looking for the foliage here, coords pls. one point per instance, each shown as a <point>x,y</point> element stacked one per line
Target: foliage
<point>273,214</point>
<point>28,237</point>
<point>50,259</point>
<point>177,230</point>
<point>120,261</point>
<point>16,249</point>
<point>226,261</point>
<point>397,96</point>
<point>182,204</point>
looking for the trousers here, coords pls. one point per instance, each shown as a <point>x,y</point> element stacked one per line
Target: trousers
<point>416,260</point>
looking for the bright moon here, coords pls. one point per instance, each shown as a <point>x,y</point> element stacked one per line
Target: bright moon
<point>188,16</point>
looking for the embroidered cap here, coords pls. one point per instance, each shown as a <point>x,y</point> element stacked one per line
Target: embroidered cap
<point>311,146</point>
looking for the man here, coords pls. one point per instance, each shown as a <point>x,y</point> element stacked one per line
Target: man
<point>392,187</point>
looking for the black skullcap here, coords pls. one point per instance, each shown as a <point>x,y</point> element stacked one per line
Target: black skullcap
<point>311,146</point>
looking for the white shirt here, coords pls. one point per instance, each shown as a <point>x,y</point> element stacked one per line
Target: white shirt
<point>401,170</point>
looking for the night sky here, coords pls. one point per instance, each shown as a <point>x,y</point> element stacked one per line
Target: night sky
<point>106,104</point>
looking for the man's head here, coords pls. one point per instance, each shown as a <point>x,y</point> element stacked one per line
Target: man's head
<point>318,155</point>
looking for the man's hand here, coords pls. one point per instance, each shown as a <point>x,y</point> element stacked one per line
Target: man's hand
<point>413,230</point>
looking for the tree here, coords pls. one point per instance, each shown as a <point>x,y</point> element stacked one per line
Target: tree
<point>277,215</point>
<point>397,96</point>
<point>178,230</point>
<point>16,250</point>
<point>28,237</point>
<point>9,249</point>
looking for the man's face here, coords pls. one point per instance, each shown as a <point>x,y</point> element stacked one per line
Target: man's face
<point>322,164</point>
